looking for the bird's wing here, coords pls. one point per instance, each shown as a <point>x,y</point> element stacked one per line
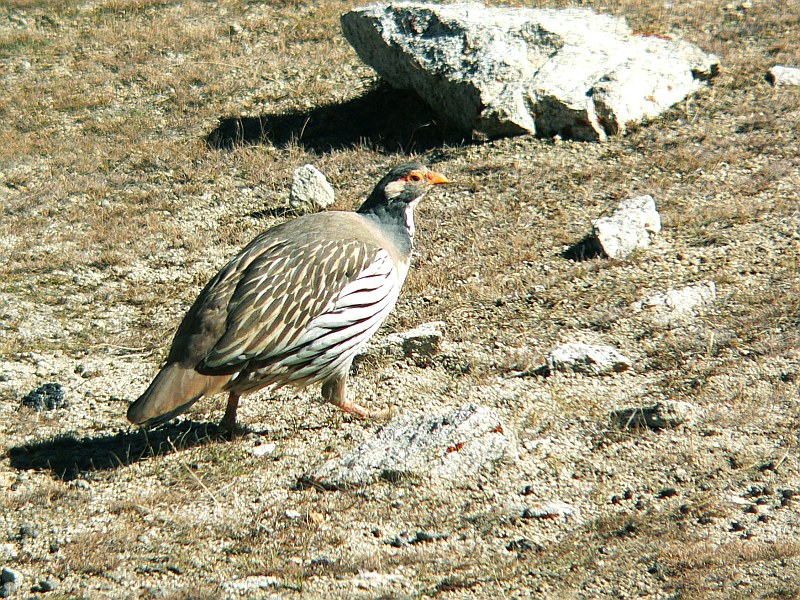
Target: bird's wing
<point>286,305</point>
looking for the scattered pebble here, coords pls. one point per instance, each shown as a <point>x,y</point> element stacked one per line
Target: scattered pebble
<point>666,414</point>
<point>46,397</point>
<point>586,358</point>
<point>405,539</point>
<point>549,510</point>
<point>265,449</point>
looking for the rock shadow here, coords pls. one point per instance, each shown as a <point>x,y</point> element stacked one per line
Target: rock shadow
<point>68,457</point>
<point>383,118</point>
<point>587,249</point>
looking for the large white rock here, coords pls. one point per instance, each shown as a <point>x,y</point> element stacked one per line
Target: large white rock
<point>435,448</point>
<point>630,227</point>
<point>499,71</point>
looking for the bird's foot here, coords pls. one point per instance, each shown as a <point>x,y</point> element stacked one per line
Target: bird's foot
<point>351,408</point>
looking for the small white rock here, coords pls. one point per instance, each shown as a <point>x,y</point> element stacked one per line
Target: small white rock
<point>310,190</point>
<point>586,358</point>
<point>679,305</point>
<point>549,510</point>
<point>9,575</point>
<point>264,449</point>
<point>631,227</point>
<point>292,514</point>
<point>371,579</point>
<point>253,583</point>
<point>781,75</point>
<point>425,340</point>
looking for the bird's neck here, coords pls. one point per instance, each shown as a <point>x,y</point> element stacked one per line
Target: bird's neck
<point>397,223</point>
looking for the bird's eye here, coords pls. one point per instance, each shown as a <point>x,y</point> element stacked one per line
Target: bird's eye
<point>415,177</point>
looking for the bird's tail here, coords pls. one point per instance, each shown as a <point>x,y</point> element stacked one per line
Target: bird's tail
<point>173,391</point>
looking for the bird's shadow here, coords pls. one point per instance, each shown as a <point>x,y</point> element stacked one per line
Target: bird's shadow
<point>383,119</point>
<point>68,457</point>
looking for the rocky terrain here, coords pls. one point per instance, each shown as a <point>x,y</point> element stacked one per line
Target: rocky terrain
<point>145,141</point>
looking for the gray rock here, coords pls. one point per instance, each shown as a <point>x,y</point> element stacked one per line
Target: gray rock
<point>586,358</point>
<point>549,510</point>
<point>10,582</point>
<point>438,448</point>
<point>499,71</point>
<point>666,414</point>
<point>780,75</point>
<point>310,191</point>
<point>677,306</point>
<point>46,397</point>
<point>46,585</point>
<point>629,228</point>
<point>9,575</point>
<point>425,340</point>
<point>252,583</point>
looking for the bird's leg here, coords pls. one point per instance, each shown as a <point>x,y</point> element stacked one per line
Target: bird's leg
<point>334,391</point>
<point>228,422</point>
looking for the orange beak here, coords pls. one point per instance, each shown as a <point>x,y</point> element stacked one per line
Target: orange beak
<point>435,178</point>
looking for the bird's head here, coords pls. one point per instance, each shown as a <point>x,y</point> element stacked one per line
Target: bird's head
<point>401,189</point>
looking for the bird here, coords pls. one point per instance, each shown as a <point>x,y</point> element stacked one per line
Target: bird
<point>295,306</point>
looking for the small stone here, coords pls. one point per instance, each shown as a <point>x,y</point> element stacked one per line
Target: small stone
<point>549,510</point>
<point>425,340</point>
<point>764,518</point>
<point>666,414</point>
<point>8,589</point>
<point>310,191</point>
<point>736,526</point>
<point>781,75</point>
<point>46,397</point>
<point>292,514</point>
<point>668,493</point>
<point>677,306</point>
<point>46,585</point>
<point>253,583</point>
<point>28,531</point>
<point>9,575</point>
<point>424,536</point>
<point>752,509</point>
<point>586,358</point>
<point>264,449</point>
<point>631,227</point>
<point>789,493</point>
<point>520,545</point>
